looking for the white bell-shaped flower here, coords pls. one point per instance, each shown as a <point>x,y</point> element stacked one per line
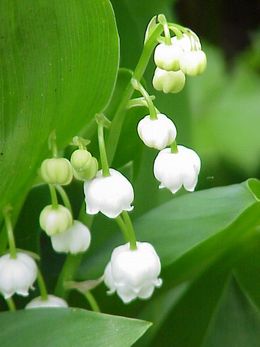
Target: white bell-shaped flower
<point>108,194</point>
<point>54,220</point>
<point>17,275</point>
<point>133,273</point>
<point>193,63</point>
<point>157,133</point>
<point>167,57</point>
<point>51,301</point>
<point>168,81</point>
<point>176,169</point>
<point>75,239</point>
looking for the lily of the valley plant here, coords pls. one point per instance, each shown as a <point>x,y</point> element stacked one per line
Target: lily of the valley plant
<point>133,270</point>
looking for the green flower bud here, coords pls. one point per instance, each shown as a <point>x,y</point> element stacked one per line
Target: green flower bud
<point>56,171</point>
<point>89,173</point>
<point>54,220</point>
<point>80,160</point>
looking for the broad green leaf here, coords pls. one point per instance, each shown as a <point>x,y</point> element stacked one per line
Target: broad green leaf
<point>188,231</point>
<point>55,57</point>
<point>187,319</point>
<point>158,310</point>
<point>236,322</point>
<point>248,270</point>
<point>68,327</point>
<point>194,230</point>
<point>213,311</point>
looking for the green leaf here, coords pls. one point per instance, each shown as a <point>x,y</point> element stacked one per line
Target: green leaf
<point>236,323</point>
<point>189,231</point>
<point>54,58</point>
<point>68,327</point>
<point>247,271</point>
<point>213,311</point>
<point>187,319</point>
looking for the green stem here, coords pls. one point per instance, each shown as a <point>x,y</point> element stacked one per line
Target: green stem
<point>163,21</point>
<point>64,197</point>
<point>92,301</point>
<point>123,227</point>
<point>71,263</point>
<point>138,86</point>
<point>53,145</point>
<point>174,147</point>
<point>102,151</point>
<point>10,232</point>
<point>67,273</point>
<point>138,102</point>
<point>118,120</point>
<point>42,286</point>
<point>54,199</point>
<point>11,304</point>
<point>70,267</point>
<point>130,228</point>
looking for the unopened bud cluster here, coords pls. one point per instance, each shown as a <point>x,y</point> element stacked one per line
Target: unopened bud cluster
<point>182,56</point>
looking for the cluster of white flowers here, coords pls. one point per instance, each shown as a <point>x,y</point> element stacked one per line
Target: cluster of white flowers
<point>134,268</point>
<point>183,56</point>
<point>176,166</point>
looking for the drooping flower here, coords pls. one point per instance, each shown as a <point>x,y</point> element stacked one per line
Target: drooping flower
<point>54,220</point>
<point>108,194</point>
<point>17,275</point>
<point>176,169</point>
<point>193,60</point>
<point>167,57</point>
<point>157,133</point>
<point>168,81</point>
<point>133,273</point>
<point>56,171</point>
<point>193,63</point>
<point>51,301</point>
<point>75,239</point>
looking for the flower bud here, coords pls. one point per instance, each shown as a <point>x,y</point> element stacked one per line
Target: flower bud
<point>51,301</point>
<point>54,220</point>
<point>56,171</point>
<point>89,172</point>
<point>133,273</point>
<point>80,159</point>
<point>110,194</point>
<point>167,57</point>
<point>193,63</point>
<point>168,81</point>
<point>75,239</point>
<point>17,275</point>
<point>176,169</point>
<point>157,133</point>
